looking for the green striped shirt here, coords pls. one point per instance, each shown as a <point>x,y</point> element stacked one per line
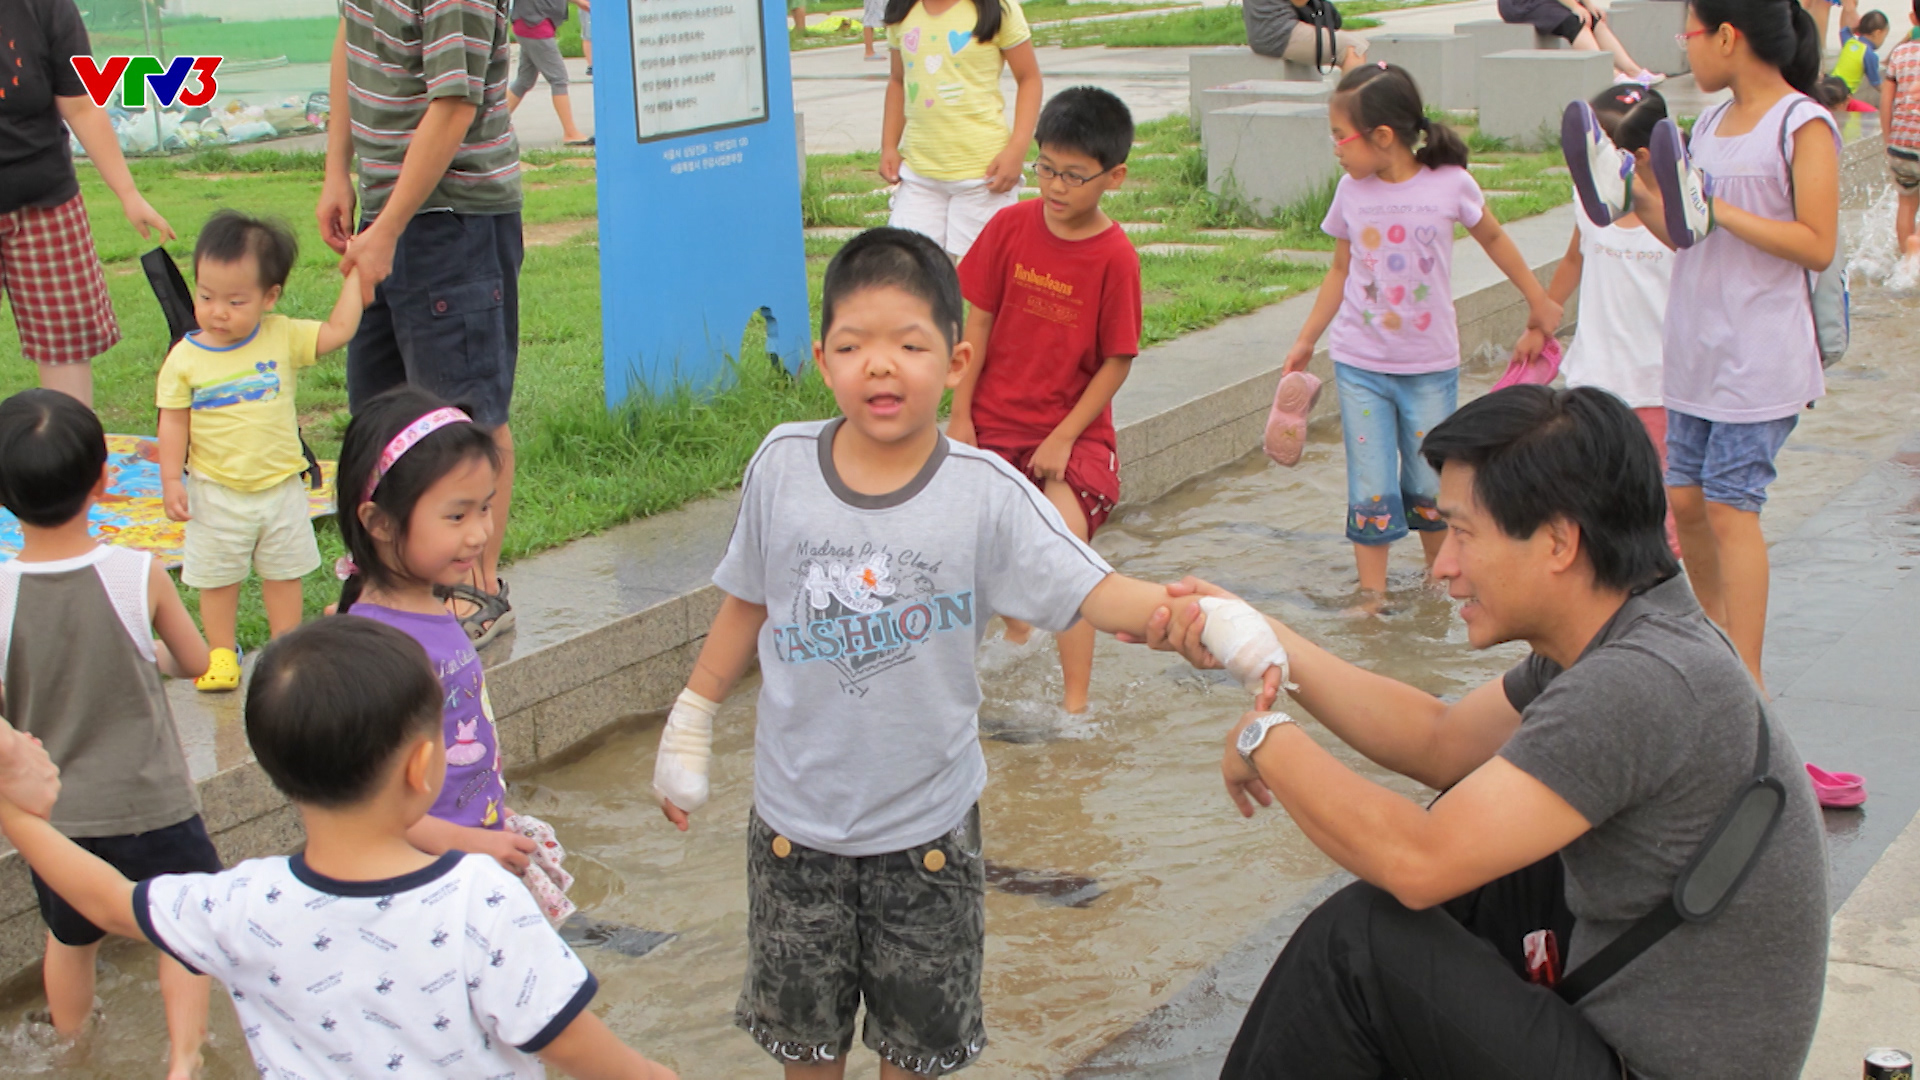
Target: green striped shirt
<point>401,55</point>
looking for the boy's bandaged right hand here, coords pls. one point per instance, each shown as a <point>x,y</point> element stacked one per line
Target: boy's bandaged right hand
<point>686,746</point>
<point>1240,638</point>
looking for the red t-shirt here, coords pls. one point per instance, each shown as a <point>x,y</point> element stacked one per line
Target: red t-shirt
<point>1060,309</point>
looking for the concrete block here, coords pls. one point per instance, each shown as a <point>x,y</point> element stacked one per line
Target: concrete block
<point>1253,91</point>
<point>1646,28</point>
<point>1268,154</point>
<point>1522,93</point>
<point>1548,41</point>
<point>1492,36</point>
<point>1209,68</point>
<point>1441,64</point>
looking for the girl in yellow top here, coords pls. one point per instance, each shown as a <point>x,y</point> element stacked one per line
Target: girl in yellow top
<point>959,165</point>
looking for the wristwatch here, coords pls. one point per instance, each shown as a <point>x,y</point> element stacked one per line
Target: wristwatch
<point>1255,733</point>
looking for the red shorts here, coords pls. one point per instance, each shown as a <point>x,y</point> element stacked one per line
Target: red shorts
<point>52,276</point>
<point>1093,471</point>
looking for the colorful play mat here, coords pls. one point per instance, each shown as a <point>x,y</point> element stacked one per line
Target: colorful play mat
<point>131,515</point>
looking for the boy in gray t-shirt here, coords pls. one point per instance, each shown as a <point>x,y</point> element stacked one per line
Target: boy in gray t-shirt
<point>868,556</point>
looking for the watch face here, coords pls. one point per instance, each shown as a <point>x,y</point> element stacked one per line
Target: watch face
<point>1251,736</point>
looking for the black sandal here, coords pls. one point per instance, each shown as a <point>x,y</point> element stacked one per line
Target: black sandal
<point>491,613</point>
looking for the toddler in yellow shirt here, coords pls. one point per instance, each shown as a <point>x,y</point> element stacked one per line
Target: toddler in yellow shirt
<point>230,458</point>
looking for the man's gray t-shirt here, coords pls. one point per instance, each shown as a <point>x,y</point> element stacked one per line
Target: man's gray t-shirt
<point>1269,25</point>
<point>1649,735</point>
<point>867,738</point>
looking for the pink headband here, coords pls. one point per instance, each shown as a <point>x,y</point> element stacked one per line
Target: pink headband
<point>410,437</point>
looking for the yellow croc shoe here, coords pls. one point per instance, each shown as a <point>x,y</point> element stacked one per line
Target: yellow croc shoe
<point>223,672</point>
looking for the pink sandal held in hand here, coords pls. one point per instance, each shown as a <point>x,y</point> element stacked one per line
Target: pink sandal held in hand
<point>1837,790</point>
<point>1293,399</point>
<point>1541,369</point>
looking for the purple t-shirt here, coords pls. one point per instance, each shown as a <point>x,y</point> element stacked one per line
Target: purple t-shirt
<point>474,794</point>
<point>1397,314</point>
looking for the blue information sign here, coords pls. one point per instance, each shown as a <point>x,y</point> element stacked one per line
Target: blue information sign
<point>699,191</point>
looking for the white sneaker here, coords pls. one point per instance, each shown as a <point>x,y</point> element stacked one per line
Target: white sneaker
<point>1686,192</point>
<point>1602,174</point>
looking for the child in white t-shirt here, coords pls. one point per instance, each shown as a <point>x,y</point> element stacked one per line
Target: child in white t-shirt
<point>361,955</point>
<point>1623,273</point>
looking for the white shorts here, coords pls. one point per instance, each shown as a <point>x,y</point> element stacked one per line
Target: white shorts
<point>230,532</point>
<point>873,15</point>
<point>951,212</point>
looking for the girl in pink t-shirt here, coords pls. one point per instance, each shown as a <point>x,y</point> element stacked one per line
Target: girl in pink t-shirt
<point>1389,300</point>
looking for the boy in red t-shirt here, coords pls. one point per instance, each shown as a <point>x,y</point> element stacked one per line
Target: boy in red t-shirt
<point>1055,289</point>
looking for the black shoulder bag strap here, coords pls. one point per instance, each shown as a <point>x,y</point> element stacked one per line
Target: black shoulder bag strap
<point>1706,883</point>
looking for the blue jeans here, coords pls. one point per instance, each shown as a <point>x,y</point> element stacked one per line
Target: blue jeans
<point>1383,418</point>
<point>1731,464</point>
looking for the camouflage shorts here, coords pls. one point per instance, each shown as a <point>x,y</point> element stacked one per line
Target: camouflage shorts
<point>905,932</point>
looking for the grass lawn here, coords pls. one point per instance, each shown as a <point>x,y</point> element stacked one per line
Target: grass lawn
<point>1203,26</point>
<point>582,469</point>
<point>301,41</point>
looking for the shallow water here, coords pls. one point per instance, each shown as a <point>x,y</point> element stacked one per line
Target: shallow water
<point>1124,870</point>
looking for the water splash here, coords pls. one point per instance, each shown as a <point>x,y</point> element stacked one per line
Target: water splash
<point>1871,251</point>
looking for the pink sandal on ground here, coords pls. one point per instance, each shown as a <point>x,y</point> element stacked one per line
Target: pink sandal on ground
<point>1293,399</point>
<point>1541,369</point>
<point>1837,790</point>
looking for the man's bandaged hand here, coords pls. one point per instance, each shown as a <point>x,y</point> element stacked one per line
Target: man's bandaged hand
<point>686,747</point>
<point>1240,638</point>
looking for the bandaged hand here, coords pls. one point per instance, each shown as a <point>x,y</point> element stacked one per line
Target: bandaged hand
<point>1241,639</point>
<point>686,746</point>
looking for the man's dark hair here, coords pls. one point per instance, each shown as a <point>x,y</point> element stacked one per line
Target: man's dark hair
<point>1871,23</point>
<point>901,259</point>
<point>229,235</point>
<point>1582,455</point>
<point>332,702</point>
<point>51,452</point>
<point>1090,121</point>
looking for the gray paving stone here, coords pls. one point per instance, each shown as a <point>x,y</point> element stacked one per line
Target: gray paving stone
<point>1177,249</point>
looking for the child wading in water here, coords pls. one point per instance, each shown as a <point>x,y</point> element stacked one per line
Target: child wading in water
<point>1623,273</point>
<point>958,164</point>
<point>1752,213</point>
<point>1389,299</point>
<point>869,554</point>
<point>361,955</point>
<point>85,632</point>
<point>1055,325</point>
<point>415,490</point>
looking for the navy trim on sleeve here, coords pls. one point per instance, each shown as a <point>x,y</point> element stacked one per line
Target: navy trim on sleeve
<point>573,1008</point>
<point>144,916</point>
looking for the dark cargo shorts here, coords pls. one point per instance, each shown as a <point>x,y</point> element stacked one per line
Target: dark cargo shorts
<point>906,932</point>
<point>447,320</point>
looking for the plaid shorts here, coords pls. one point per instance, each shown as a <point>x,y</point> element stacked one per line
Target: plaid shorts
<point>51,273</point>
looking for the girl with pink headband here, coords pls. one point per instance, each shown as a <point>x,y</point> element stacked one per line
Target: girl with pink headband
<point>416,485</point>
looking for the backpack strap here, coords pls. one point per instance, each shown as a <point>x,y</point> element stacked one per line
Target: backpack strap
<point>1649,929</point>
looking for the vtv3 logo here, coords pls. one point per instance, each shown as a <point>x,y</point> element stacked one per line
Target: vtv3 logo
<point>134,74</point>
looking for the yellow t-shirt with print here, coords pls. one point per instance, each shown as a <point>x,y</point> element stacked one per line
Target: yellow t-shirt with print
<point>956,114</point>
<point>244,433</point>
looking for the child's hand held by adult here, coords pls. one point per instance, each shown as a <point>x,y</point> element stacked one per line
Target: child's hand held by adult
<point>371,253</point>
